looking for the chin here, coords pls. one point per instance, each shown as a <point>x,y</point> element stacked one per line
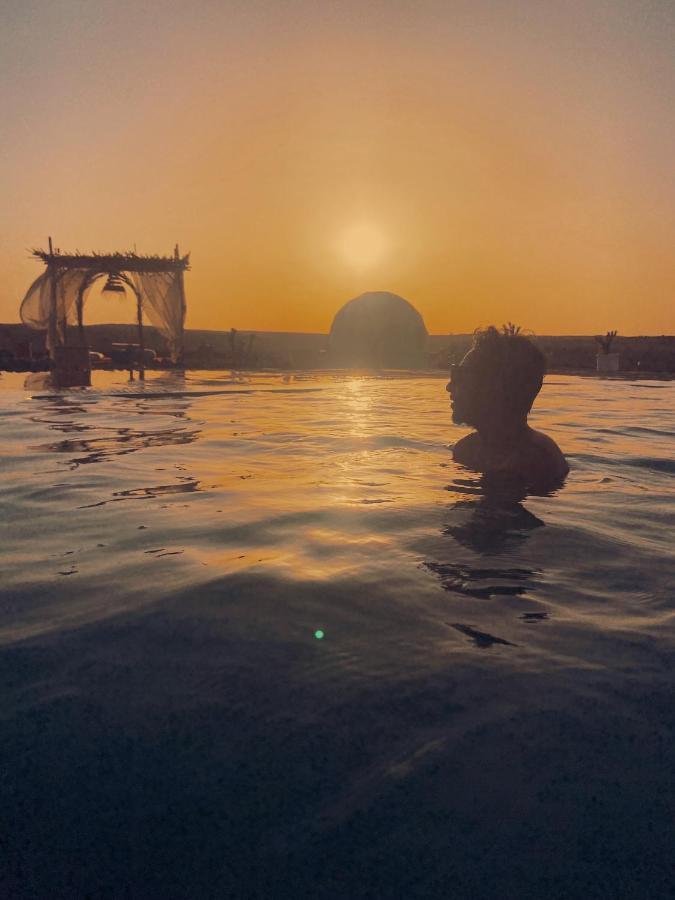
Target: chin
<point>462,417</point>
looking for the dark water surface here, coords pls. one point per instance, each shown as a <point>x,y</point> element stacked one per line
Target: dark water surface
<point>490,712</point>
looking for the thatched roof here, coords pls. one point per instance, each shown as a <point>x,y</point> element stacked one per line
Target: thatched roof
<point>113,262</point>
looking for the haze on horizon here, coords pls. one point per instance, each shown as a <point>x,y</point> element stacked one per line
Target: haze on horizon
<point>489,161</point>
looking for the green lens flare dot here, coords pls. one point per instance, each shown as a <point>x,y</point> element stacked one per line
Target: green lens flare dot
<point>318,634</point>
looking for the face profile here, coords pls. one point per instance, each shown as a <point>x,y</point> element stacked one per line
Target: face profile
<point>493,390</point>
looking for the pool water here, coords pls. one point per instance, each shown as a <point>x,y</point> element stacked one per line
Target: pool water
<point>262,637</point>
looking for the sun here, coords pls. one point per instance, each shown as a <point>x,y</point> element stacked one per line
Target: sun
<point>362,245</point>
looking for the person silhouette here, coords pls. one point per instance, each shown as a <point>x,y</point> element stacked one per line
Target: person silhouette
<point>492,390</point>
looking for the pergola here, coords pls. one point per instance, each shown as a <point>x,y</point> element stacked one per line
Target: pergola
<point>58,296</point>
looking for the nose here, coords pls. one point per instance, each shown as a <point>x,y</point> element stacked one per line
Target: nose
<point>448,387</point>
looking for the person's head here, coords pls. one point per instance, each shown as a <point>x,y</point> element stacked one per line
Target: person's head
<point>497,381</point>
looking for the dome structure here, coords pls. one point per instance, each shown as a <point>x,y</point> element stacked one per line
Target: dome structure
<point>378,329</point>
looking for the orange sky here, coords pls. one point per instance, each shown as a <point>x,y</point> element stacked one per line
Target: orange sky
<point>486,160</point>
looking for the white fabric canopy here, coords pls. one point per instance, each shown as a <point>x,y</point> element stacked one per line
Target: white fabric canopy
<point>164,305</point>
<point>36,306</point>
<point>161,294</point>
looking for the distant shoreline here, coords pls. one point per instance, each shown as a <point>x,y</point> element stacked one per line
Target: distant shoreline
<point>640,356</point>
<point>440,374</point>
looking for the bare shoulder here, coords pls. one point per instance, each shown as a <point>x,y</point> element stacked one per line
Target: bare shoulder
<point>467,450</point>
<point>548,451</point>
<point>536,459</point>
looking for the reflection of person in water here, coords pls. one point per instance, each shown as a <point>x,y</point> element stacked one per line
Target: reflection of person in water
<point>493,390</point>
<point>490,519</point>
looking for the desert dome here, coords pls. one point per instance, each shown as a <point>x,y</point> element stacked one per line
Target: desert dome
<point>378,329</point>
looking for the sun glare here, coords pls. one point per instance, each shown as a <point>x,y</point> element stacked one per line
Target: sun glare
<point>362,245</point>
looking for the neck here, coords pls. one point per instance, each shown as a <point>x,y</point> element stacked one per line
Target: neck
<point>504,434</point>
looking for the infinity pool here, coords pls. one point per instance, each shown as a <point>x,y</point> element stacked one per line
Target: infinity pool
<point>261,637</point>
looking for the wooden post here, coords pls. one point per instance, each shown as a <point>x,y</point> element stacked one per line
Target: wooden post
<point>53,312</point>
<point>63,330</point>
<point>180,350</point>
<point>51,325</point>
<point>80,313</point>
<point>141,343</point>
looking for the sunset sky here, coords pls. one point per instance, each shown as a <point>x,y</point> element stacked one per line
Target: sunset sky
<point>486,160</point>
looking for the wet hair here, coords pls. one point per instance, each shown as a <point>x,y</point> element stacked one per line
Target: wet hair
<point>513,363</point>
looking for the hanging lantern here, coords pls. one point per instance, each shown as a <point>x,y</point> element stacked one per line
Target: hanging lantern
<point>114,286</point>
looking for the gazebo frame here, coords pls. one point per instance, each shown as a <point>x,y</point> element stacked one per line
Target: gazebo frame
<point>104,265</point>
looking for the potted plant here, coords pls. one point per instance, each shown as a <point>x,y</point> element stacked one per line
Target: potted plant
<point>606,361</point>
